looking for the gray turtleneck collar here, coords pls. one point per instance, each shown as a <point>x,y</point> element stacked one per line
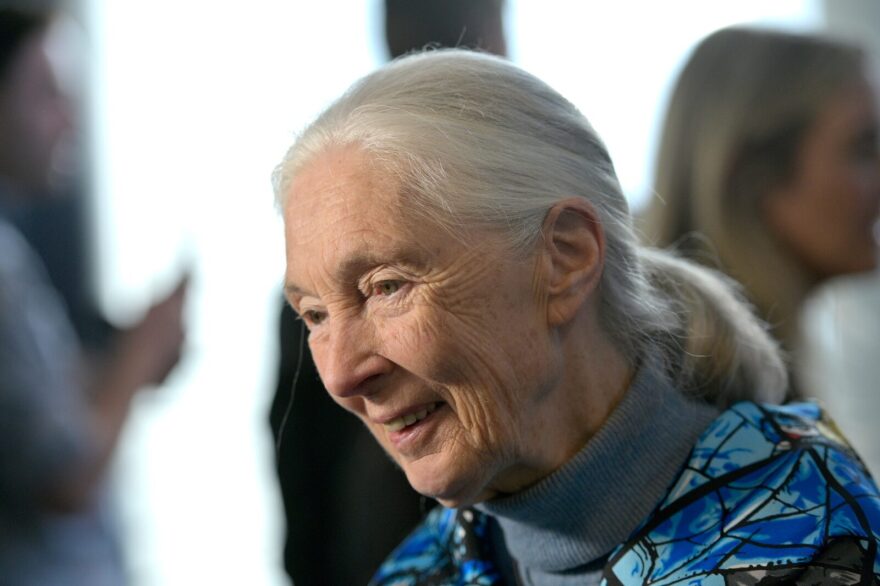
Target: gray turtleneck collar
<point>578,514</point>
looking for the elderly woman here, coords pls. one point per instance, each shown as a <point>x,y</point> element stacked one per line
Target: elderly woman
<point>584,409</point>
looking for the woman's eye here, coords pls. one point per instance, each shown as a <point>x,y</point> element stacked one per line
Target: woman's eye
<point>313,317</point>
<point>386,287</point>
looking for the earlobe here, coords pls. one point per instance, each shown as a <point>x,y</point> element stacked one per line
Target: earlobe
<point>574,245</point>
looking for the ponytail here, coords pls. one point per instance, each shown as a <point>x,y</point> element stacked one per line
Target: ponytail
<point>719,350</point>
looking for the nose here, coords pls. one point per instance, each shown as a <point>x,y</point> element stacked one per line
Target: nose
<point>347,361</point>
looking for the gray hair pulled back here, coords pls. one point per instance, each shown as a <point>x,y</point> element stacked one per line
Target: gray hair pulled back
<point>476,141</point>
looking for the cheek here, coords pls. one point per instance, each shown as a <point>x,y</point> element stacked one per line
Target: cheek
<point>488,370</point>
<point>845,190</point>
<point>415,343</point>
<point>451,351</point>
<point>866,184</point>
<point>830,227</point>
<point>849,210</point>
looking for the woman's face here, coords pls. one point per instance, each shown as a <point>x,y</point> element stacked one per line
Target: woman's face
<point>828,213</point>
<point>441,348</point>
<point>35,117</point>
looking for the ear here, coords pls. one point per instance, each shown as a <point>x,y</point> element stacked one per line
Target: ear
<point>574,250</point>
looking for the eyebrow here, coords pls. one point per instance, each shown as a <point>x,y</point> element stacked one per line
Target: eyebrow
<point>354,266</point>
<point>290,290</point>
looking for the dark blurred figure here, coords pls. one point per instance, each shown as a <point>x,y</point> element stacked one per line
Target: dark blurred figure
<point>417,24</point>
<point>769,165</point>
<point>347,504</point>
<point>60,414</point>
<point>57,228</point>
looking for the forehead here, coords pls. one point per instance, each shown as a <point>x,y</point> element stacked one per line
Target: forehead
<point>342,188</point>
<point>343,206</point>
<point>339,178</point>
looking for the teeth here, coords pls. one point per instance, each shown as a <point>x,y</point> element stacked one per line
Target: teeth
<point>395,425</point>
<point>401,422</point>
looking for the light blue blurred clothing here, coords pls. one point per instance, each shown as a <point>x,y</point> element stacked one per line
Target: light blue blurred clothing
<point>44,433</point>
<point>839,363</point>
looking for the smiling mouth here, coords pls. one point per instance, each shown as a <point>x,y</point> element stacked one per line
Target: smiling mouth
<point>410,419</point>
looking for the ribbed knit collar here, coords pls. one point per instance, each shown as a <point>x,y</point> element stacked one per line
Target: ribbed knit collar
<point>583,510</point>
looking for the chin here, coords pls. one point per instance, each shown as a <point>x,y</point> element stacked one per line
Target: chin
<point>450,485</point>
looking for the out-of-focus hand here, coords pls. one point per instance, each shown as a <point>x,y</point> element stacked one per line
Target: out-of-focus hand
<point>151,348</point>
<point>142,355</point>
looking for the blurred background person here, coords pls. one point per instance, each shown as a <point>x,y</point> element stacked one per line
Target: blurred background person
<point>422,24</point>
<point>346,503</point>
<point>60,414</point>
<point>769,168</point>
<point>57,227</point>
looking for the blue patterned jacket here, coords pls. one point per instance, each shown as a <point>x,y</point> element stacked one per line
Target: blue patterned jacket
<point>769,495</point>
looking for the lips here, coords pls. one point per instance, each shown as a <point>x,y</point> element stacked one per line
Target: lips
<point>403,421</point>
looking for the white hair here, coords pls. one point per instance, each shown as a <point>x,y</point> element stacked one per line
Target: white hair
<point>476,141</point>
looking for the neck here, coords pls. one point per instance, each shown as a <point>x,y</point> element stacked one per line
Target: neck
<point>574,517</point>
<point>594,377</point>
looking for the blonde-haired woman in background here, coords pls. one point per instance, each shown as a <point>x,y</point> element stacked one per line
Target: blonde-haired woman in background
<point>768,168</point>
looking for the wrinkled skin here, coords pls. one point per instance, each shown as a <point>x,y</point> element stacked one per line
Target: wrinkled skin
<point>403,315</point>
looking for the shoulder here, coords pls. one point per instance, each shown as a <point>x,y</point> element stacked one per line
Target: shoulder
<point>34,326</point>
<point>448,547</point>
<point>754,434</point>
<point>764,487</point>
<point>17,256</point>
<point>22,277</point>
